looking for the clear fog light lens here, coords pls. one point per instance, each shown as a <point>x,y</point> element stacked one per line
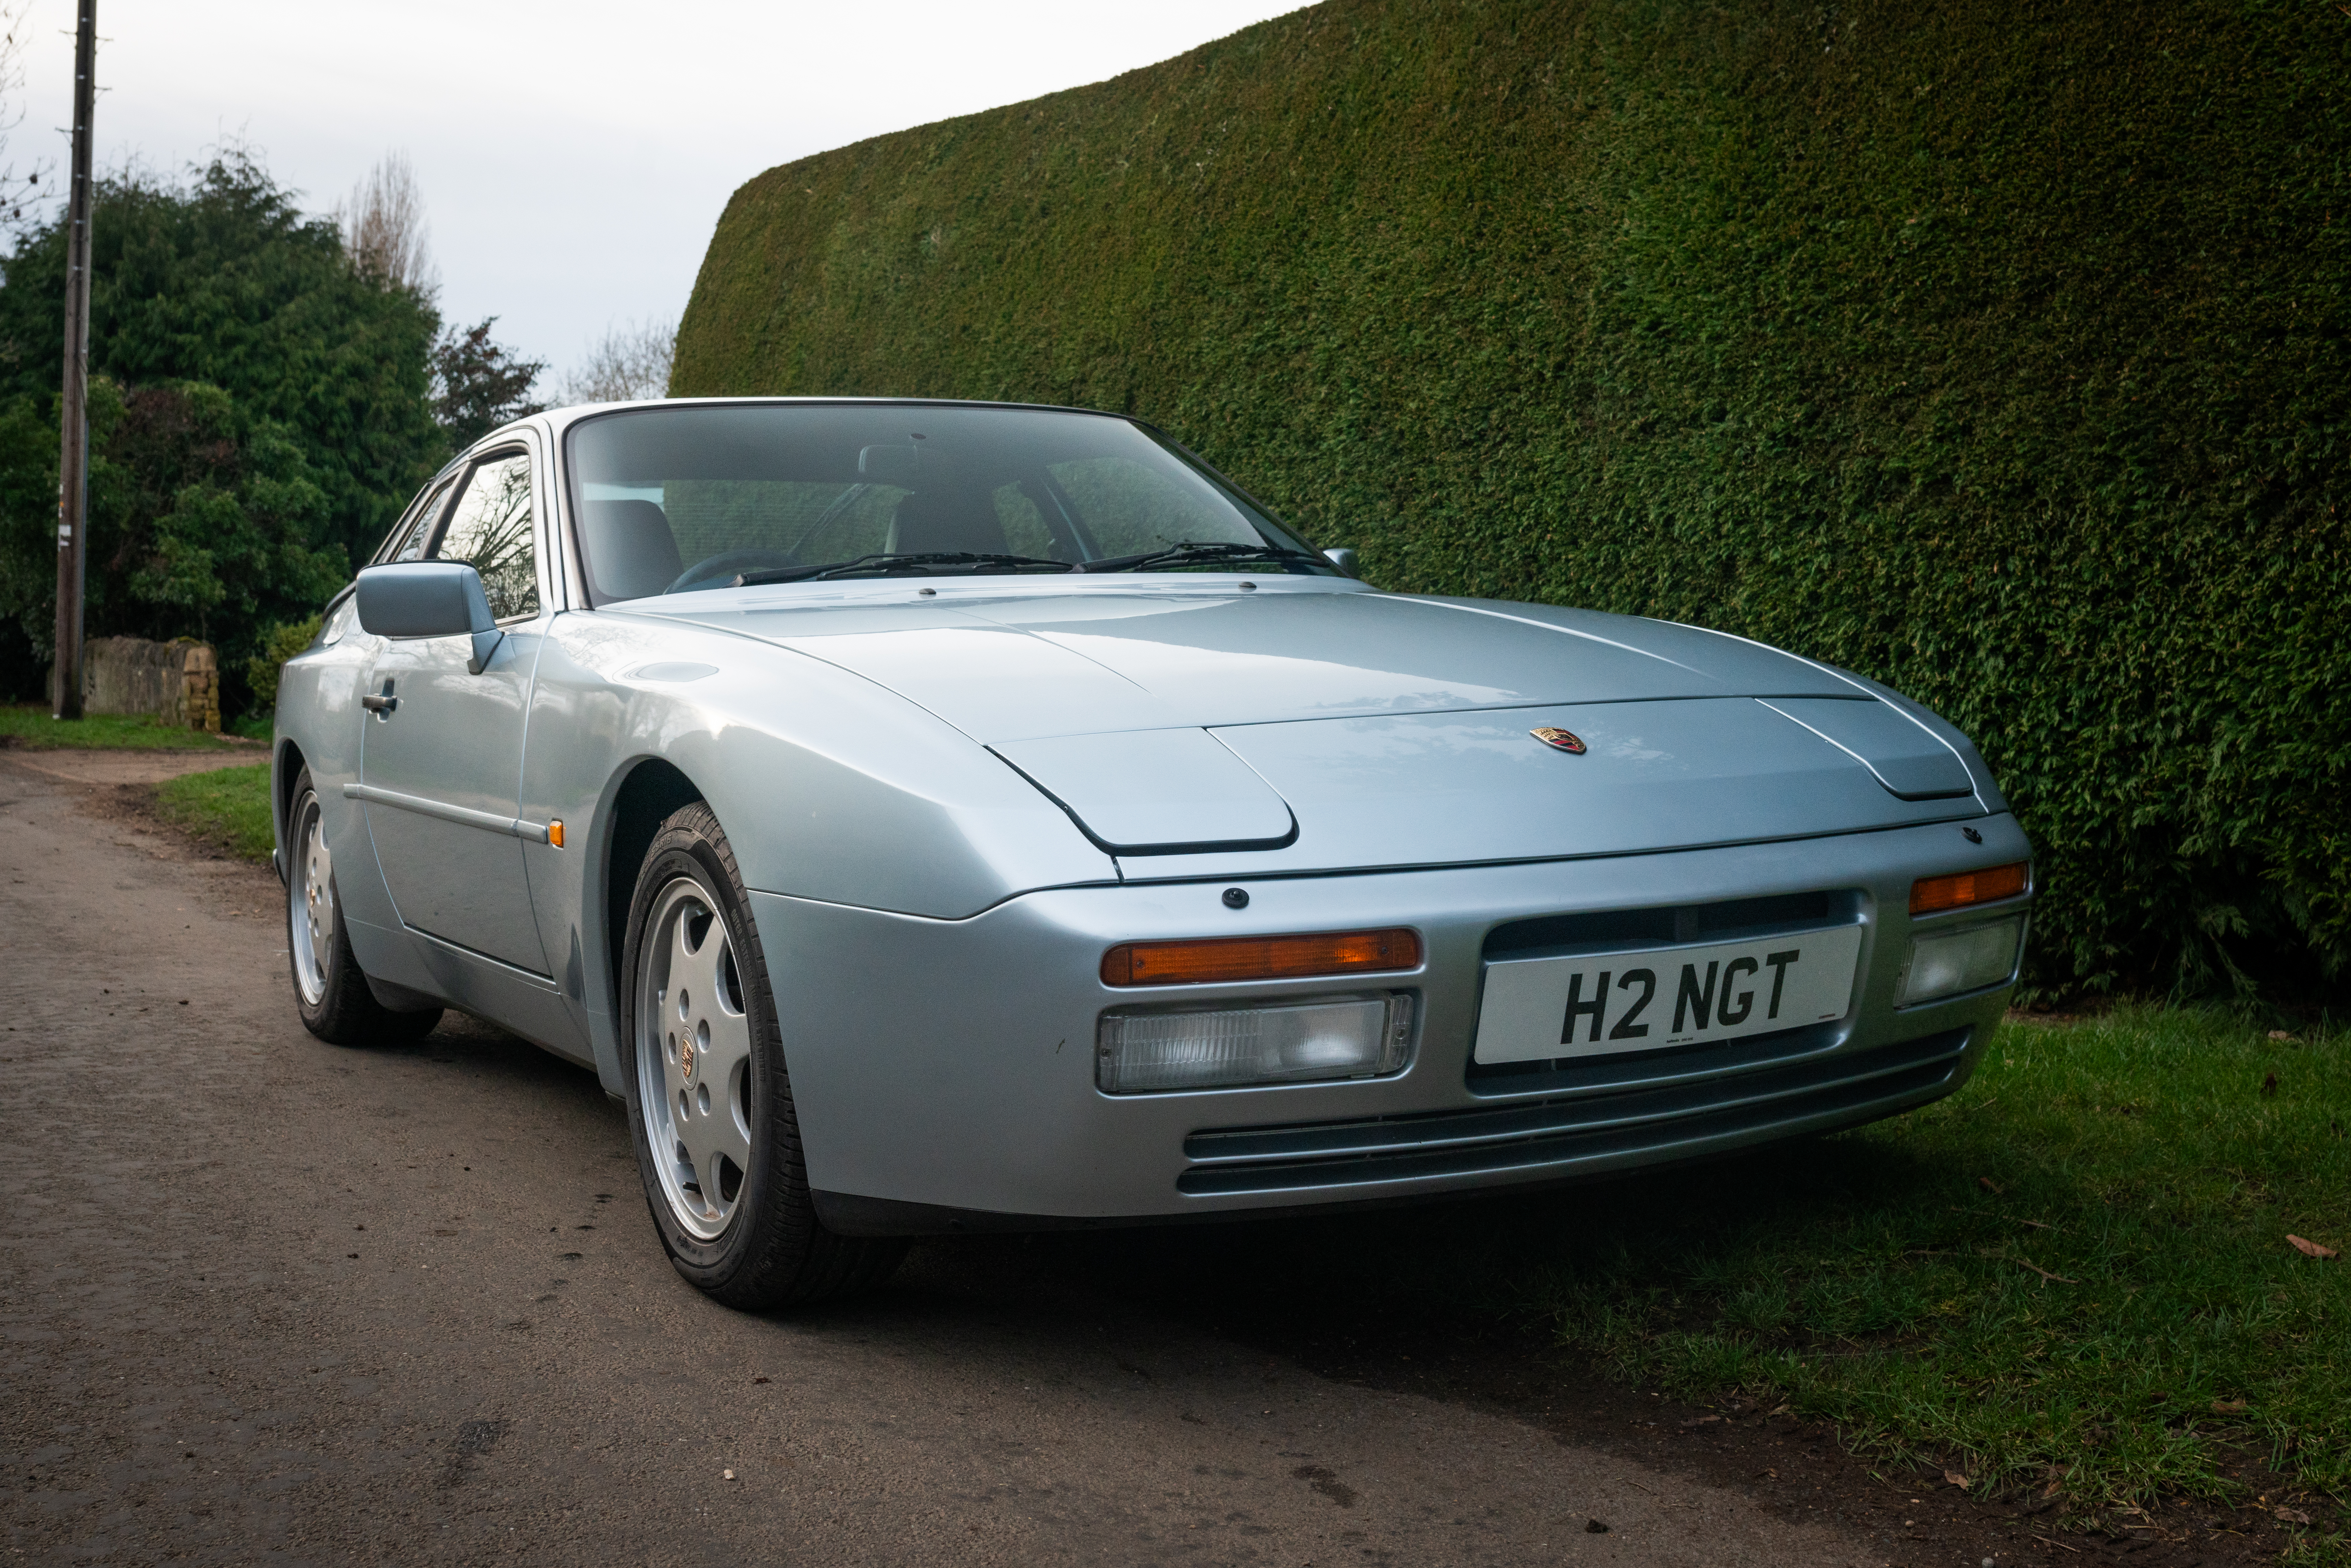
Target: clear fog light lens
<point>1289,1042</point>
<point>1945,963</point>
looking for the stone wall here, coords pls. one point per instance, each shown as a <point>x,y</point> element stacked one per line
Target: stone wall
<point>177,682</point>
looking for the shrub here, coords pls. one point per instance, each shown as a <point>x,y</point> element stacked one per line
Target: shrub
<point>205,521</point>
<point>218,278</point>
<point>280,643</point>
<point>260,415</point>
<point>1997,350</point>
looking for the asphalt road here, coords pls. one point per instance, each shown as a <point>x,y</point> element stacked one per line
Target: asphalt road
<point>263,1299</point>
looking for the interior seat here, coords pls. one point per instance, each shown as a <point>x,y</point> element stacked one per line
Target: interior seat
<point>631,550</point>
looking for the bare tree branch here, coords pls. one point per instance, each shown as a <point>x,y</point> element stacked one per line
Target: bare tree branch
<point>627,362</point>
<point>384,231</point>
<point>18,192</point>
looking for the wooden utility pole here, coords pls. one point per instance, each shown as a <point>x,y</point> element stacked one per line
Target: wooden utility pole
<point>73,451</point>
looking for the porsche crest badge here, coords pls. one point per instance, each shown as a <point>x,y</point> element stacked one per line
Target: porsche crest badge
<point>686,1058</point>
<point>1563,739</point>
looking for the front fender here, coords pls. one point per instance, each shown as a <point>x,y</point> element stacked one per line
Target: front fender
<point>831,788</point>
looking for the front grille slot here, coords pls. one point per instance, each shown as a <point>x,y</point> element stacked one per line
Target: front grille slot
<point>1586,1129</point>
<point>1643,1068</point>
<point>1604,930</point>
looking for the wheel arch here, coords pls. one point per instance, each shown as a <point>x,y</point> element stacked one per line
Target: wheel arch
<point>653,790</point>
<point>289,762</point>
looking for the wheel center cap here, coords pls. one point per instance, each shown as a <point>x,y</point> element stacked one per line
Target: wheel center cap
<point>685,1056</point>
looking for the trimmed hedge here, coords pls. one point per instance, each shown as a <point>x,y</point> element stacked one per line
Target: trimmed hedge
<point>1998,350</point>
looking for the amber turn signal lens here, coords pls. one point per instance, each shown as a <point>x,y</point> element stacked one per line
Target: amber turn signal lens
<point>1933,895</point>
<point>555,835</point>
<point>1258,957</point>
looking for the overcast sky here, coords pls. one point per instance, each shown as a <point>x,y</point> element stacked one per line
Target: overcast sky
<point>573,157</point>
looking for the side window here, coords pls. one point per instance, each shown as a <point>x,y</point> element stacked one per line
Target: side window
<point>419,527</point>
<point>491,531</point>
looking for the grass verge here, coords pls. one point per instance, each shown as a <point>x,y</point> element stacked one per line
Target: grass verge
<point>29,726</point>
<point>226,806</point>
<point>2074,1273</point>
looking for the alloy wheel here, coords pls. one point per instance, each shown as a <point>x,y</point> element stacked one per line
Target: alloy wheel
<point>311,903</point>
<point>694,1059</point>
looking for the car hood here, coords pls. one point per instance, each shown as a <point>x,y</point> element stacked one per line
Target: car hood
<point>1013,667</point>
<point>1319,726</point>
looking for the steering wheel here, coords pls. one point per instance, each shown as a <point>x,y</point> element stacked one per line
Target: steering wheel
<point>719,568</point>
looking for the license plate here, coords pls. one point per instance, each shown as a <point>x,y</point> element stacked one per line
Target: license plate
<point>1537,1009</point>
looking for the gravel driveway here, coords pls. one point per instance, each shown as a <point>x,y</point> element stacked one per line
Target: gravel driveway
<point>264,1299</point>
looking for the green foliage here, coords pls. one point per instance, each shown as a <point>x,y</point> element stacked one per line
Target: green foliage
<point>281,643</point>
<point>479,383</point>
<point>225,806</point>
<point>1994,350</point>
<point>222,280</point>
<point>28,557</point>
<point>204,521</point>
<point>259,415</point>
<point>23,724</point>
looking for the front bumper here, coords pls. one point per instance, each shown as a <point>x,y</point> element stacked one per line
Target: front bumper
<point>943,1071</point>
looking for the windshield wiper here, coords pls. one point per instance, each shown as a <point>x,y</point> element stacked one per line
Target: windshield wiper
<point>1200,550</point>
<point>884,564</point>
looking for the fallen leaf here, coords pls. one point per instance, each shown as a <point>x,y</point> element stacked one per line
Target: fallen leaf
<point>2283,1034</point>
<point>2312,1248</point>
<point>1990,1185</point>
<point>2292,1515</point>
<point>1594,1527</point>
<point>2269,1087</point>
<point>2227,1406</point>
<point>1957,1480</point>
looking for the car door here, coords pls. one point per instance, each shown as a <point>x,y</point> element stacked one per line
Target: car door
<point>441,756</point>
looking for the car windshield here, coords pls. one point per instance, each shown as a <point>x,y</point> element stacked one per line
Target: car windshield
<point>670,500</point>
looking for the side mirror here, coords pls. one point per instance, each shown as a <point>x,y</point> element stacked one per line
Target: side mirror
<point>1345,560</point>
<point>429,599</point>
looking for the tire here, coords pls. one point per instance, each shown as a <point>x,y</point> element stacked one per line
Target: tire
<point>710,1102</point>
<point>329,989</point>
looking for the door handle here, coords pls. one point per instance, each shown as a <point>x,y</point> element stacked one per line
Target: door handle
<point>381,704</point>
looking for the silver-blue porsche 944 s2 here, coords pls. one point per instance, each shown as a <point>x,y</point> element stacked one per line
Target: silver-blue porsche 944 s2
<point>941,817</point>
